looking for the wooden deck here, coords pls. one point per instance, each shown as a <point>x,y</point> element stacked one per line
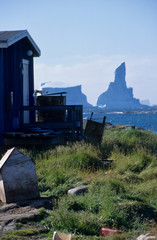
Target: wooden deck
<point>42,132</point>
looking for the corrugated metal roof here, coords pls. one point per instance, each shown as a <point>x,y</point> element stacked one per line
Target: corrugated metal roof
<point>7,38</point>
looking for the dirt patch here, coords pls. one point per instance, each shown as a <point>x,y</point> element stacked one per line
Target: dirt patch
<point>12,213</point>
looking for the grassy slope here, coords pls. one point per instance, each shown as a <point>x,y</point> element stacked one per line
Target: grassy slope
<point>122,197</point>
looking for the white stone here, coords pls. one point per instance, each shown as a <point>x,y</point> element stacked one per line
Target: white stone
<point>78,190</point>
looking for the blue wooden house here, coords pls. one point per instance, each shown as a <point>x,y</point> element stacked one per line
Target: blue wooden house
<point>17,50</point>
<point>18,120</point>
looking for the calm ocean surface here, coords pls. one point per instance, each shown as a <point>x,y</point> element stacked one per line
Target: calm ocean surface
<point>145,120</point>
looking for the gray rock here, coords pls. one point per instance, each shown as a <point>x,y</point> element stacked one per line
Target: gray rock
<point>78,190</point>
<point>118,95</point>
<point>7,207</point>
<point>22,211</point>
<point>8,220</point>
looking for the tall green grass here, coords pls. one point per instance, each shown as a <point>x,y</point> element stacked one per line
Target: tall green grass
<point>122,196</point>
<point>128,140</point>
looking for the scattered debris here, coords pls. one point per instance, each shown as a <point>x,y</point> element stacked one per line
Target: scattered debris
<point>78,190</point>
<point>106,163</point>
<point>61,236</point>
<point>108,232</point>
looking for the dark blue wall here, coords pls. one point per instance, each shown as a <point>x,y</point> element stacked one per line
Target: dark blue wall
<point>1,95</point>
<point>11,80</point>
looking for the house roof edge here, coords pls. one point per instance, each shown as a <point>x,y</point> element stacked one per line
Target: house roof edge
<point>17,37</point>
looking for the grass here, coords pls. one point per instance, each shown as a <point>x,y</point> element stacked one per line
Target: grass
<point>17,234</point>
<point>122,196</point>
<point>23,232</point>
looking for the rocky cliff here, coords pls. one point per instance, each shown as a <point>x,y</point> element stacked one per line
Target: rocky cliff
<point>118,95</point>
<point>74,95</point>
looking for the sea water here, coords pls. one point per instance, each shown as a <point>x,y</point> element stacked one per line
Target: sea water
<point>146,120</point>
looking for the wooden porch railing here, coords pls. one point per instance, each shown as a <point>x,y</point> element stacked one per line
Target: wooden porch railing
<point>72,123</point>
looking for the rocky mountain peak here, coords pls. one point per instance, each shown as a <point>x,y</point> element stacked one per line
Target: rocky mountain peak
<point>120,73</point>
<point>118,95</point>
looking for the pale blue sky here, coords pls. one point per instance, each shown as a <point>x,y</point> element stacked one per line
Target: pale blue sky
<point>83,41</point>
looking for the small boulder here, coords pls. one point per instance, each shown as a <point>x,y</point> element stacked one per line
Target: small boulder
<point>78,190</point>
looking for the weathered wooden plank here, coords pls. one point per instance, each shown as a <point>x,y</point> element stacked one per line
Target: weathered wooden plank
<point>51,108</point>
<point>50,125</point>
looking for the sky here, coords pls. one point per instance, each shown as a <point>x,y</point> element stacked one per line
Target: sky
<point>84,41</point>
